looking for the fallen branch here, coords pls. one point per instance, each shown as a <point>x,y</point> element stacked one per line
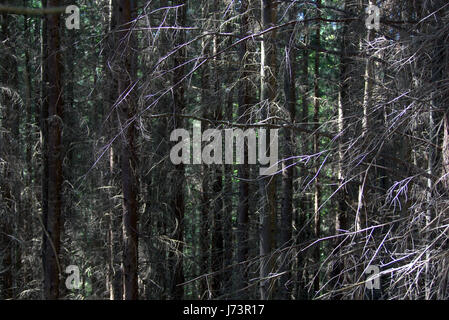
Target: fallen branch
<point>31,11</point>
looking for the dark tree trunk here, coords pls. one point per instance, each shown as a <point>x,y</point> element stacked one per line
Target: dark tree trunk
<point>243,169</point>
<point>343,107</point>
<point>126,62</point>
<point>288,165</point>
<point>304,199</point>
<point>267,183</point>
<point>205,201</point>
<point>114,233</point>
<point>52,189</point>
<point>228,213</point>
<point>316,149</point>
<point>217,235</point>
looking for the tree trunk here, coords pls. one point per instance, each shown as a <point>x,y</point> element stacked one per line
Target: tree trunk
<point>205,176</point>
<point>228,209</point>
<point>243,169</point>
<point>288,165</point>
<point>53,190</point>
<point>316,149</point>
<point>125,9</point>
<point>267,183</point>
<point>343,107</point>
<point>304,199</point>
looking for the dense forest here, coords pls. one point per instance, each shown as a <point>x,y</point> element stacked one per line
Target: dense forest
<point>350,95</point>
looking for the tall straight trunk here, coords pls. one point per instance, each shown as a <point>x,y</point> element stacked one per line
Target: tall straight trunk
<point>301,217</point>
<point>243,169</point>
<point>316,149</point>
<point>343,106</point>
<point>125,11</point>
<point>205,176</point>
<point>44,136</point>
<point>288,165</point>
<point>178,202</point>
<point>29,130</point>
<point>366,123</point>
<point>114,232</point>
<point>52,218</point>
<point>267,183</point>
<point>227,207</point>
<point>217,245</point>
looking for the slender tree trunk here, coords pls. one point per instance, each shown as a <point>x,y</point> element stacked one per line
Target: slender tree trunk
<point>228,209</point>
<point>316,149</point>
<point>44,137</point>
<point>204,231</point>
<point>52,220</point>
<point>301,218</point>
<point>29,136</point>
<point>205,175</point>
<point>341,212</point>
<point>267,183</point>
<point>288,165</point>
<point>114,233</point>
<point>217,256</point>
<point>243,169</point>
<point>127,109</point>
<point>217,245</point>
<point>366,123</point>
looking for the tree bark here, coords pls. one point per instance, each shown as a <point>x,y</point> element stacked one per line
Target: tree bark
<point>304,199</point>
<point>126,63</point>
<point>341,223</point>
<point>243,169</point>
<point>52,219</point>
<point>316,149</point>
<point>267,183</point>
<point>205,176</point>
<point>288,165</point>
